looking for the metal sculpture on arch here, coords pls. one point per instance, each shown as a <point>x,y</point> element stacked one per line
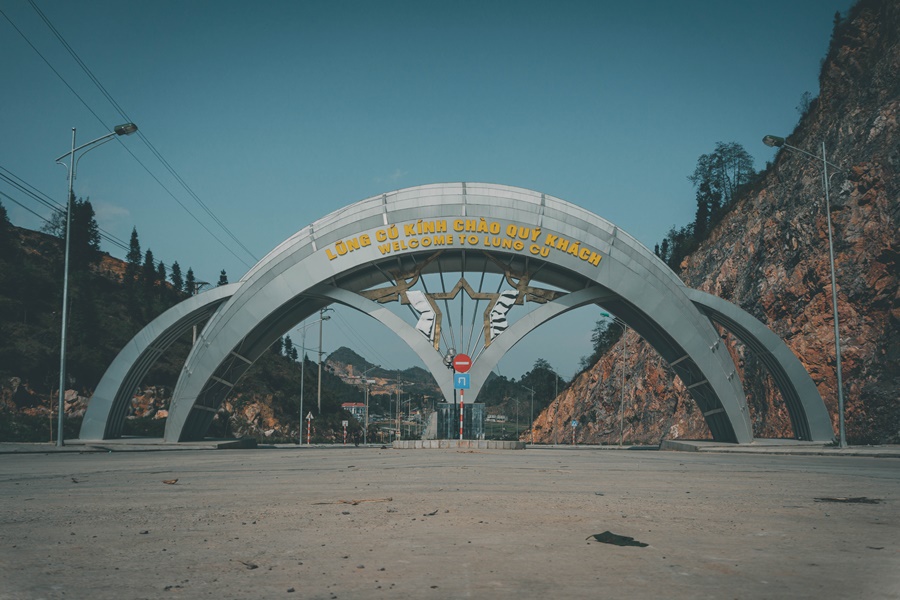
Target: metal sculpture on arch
<point>543,250</point>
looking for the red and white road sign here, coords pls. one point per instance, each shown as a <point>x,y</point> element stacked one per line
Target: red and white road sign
<point>462,363</point>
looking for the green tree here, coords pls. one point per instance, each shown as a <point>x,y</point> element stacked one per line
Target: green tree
<point>706,180</point>
<point>680,242</point>
<point>133,259</point>
<point>84,235</point>
<point>701,216</point>
<point>7,241</point>
<point>176,278</point>
<point>545,382</point>
<point>717,178</point>
<point>605,335</point>
<point>85,246</point>
<point>148,275</point>
<point>190,283</point>
<point>161,280</point>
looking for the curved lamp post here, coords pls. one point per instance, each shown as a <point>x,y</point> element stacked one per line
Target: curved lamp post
<point>779,142</point>
<point>366,383</point>
<point>322,318</point>
<point>125,129</point>
<point>302,330</point>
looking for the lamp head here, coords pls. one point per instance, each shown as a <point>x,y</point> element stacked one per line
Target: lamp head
<point>773,141</point>
<point>125,129</point>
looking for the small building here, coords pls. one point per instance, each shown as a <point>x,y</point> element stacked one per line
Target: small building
<point>357,409</point>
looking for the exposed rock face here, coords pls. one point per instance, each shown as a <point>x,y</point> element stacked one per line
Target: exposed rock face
<point>770,256</point>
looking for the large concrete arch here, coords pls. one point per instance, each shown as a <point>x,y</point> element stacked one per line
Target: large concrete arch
<point>346,252</point>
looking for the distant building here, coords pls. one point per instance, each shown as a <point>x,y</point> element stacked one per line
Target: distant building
<point>357,409</point>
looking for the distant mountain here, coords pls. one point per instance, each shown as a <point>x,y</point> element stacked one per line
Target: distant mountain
<point>350,366</point>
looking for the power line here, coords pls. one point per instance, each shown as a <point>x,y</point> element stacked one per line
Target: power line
<point>143,138</point>
<point>351,332</point>
<point>141,135</point>
<point>25,187</point>
<point>10,198</point>
<point>39,196</point>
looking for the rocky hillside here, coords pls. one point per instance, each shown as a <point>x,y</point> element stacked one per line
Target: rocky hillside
<point>770,256</point>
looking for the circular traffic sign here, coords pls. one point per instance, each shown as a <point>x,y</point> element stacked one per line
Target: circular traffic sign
<point>462,363</point>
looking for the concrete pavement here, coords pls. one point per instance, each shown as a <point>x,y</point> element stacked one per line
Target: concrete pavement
<point>346,522</point>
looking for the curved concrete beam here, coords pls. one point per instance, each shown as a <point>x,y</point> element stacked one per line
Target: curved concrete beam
<point>109,404</point>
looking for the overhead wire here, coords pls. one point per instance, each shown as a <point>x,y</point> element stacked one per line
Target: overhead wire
<point>45,200</point>
<point>141,136</point>
<point>349,331</point>
<point>11,199</point>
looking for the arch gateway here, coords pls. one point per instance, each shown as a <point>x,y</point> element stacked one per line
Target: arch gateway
<point>431,248</point>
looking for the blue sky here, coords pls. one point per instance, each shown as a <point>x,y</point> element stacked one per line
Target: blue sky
<point>276,113</point>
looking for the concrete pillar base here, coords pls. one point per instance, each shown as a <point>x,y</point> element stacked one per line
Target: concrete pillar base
<point>467,444</point>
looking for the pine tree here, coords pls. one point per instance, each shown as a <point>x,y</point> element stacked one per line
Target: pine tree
<point>148,274</point>
<point>133,259</point>
<point>85,241</point>
<point>717,178</point>
<point>161,279</point>
<point>288,345</point>
<point>701,216</point>
<point>176,278</point>
<point>190,283</point>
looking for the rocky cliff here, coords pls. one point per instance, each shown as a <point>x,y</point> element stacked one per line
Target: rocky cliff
<point>770,256</point>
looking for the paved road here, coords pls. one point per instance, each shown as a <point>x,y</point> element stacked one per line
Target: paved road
<point>275,523</point>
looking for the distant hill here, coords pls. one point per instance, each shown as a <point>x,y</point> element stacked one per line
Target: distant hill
<point>105,314</point>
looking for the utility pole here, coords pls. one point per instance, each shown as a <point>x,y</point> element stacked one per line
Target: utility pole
<point>194,292</point>
<point>322,317</point>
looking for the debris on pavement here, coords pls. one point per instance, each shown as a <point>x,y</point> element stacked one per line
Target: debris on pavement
<point>355,502</point>
<point>608,537</point>
<point>859,500</point>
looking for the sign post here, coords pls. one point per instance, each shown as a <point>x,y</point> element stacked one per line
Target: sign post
<point>574,425</point>
<point>461,364</point>
<point>345,423</point>
<point>309,419</point>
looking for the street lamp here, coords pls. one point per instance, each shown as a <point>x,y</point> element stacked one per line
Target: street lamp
<point>322,318</point>
<point>779,142</point>
<point>303,371</point>
<point>624,327</point>
<point>125,129</point>
<point>366,383</point>
<point>532,411</point>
